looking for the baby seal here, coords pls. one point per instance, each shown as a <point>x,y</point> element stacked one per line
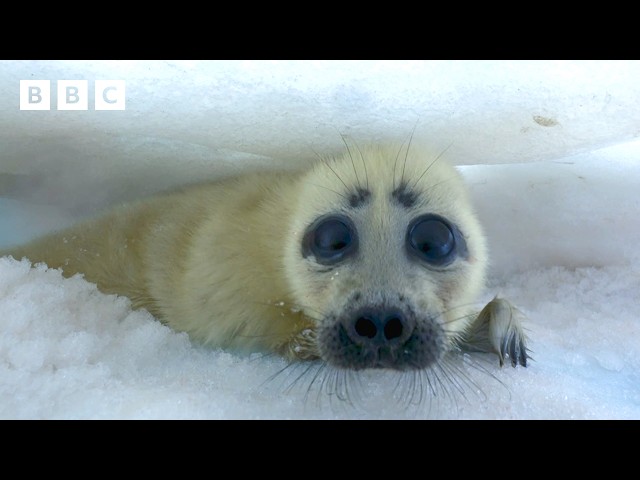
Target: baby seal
<point>369,260</point>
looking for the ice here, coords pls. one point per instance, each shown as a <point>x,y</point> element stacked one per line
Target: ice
<point>68,351</point>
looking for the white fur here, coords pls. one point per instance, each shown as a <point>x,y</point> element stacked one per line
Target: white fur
<point>223,261</point>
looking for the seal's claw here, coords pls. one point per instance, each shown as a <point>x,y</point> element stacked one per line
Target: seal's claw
<point>302,346</point>
<point>498,329</point>
<point>513,346</point>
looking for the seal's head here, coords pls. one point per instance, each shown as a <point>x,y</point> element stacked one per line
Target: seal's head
<point>386,255</point>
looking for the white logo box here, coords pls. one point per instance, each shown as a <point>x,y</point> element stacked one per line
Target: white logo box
<point>72,95</point>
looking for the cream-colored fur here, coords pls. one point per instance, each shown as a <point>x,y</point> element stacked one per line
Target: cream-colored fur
<point>383,265</point>
<point>223,261</point>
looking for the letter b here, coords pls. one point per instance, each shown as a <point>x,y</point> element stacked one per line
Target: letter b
<point>35,95</point>
<point>73,95</point>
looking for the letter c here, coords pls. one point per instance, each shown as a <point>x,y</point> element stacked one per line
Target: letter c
<point>104,95</point>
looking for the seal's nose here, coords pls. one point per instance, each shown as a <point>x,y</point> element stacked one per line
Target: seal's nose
<point>376,327</point>
<point>382,335</point>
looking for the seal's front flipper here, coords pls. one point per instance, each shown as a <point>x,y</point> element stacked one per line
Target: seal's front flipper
<point>302,346</point>
<point>498,329</point>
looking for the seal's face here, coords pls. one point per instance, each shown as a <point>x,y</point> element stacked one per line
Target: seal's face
<point>387,258</point>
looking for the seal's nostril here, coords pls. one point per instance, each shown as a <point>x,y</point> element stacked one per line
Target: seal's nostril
<point>393,328</point>
<point>383,336</point>
<point>365,327</point>
<point>377,326</point>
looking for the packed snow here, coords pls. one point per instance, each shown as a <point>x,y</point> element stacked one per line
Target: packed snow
<point>551,156</point>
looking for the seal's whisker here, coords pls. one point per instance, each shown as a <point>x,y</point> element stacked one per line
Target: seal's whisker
<point>451,379</point>
<point>327,188</point>
<point>395,164</point>
<point>364,166</point>
<point>261,356</point>
<point>272,377</point>
<point>327,163</point>
<point>415,184</point>
<point>297,379</point>
<point>467,379</point>
<point>477,362</point>
<point>414,392</point>
<point>406,154</point>
<point>234,334</point>
<point>320,370</point>
<point>352,161</point>
<point>458,377</point>
<point>448,383</point>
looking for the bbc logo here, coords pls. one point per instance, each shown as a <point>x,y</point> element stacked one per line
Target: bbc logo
<point>72,95</point>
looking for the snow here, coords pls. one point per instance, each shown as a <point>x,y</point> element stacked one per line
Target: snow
<point>549,150</point>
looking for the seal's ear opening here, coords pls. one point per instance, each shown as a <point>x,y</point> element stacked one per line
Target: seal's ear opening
<point>330,239</point>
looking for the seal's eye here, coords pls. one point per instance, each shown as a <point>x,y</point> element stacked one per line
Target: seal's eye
<point>330,239</point>
<point>432,239</point>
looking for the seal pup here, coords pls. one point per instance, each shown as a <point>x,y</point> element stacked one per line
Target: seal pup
<point>372,259</point>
